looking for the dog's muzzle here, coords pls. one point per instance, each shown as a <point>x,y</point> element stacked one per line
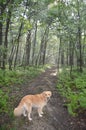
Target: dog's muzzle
<point>48,98</point>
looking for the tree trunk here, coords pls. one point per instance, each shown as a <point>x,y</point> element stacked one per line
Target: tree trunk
<point>62,57</point>
<point>67,57</point>
<point>6,39</point>
<point>28,47</point>
<point>1,33</point>
<point>18,39</point>
<point>79,39</point>
<point>43,46</point>
<point>80,49</point>
<point>58,62</point>
<point>34,45</point>
<point>11,57</point>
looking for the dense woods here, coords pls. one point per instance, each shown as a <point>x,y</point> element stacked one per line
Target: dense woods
<point>40,32</point>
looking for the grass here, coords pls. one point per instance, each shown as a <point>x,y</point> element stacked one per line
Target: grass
<point>74,89</point>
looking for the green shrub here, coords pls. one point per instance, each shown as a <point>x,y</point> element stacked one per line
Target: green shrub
<point>74,89</point>
<point>82,99</point>
<point>3,102</point>
<point>19,75</point>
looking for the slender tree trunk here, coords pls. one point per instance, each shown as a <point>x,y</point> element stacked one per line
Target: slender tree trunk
<point>67,57</point>
<point>62,57</point>
<point>1,33</point>
<point>6,39</point>
<point>79,39</point>
<point>41,50</point>
<point>2,10</point>
<point>34,44</point>
<point>58,62</point>
<point>18,39</point>
<point>43,46</point>
<point>28,47</point>
<point>84,50</point>
<point>11,57</point>
<point>80,49</point>
<point>71,56</point>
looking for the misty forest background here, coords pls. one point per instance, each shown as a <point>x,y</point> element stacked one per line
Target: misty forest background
<point>35,34</point>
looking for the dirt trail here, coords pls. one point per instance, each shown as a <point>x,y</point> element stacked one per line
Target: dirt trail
<point>55,116</point>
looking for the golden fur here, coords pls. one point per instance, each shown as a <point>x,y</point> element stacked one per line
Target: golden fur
<point>29,101</point>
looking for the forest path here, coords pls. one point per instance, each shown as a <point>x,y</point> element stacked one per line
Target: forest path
<point>55,116</point>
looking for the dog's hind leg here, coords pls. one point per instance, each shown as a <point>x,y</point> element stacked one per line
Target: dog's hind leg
<point>25,110</point>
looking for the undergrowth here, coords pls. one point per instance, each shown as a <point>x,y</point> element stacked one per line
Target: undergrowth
<point>3,102</point>
<point>73,88</point>
<point>19,75</point>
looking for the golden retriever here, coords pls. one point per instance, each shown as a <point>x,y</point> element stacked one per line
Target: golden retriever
<point>29,101</point>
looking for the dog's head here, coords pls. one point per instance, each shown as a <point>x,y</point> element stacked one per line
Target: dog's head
<point>47,94</point>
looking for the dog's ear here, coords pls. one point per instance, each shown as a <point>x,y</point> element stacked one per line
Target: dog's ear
<point>44,94</point>
<point>49,93</point>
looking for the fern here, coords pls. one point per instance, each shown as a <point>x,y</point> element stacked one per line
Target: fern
<point>3,102</point>
<point>74,89</point>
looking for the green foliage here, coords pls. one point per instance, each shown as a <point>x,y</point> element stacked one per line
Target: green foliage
<point>19,75</point>
<point>3,102</point>
<point>9,77</point>
<point>82,100</point>
<point>27,26</point>
<point>53,12</point>
<point>5,127</point>
<point>74,89</point>
<point>2,49</point>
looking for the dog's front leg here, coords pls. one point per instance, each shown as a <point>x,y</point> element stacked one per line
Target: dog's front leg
<point>30,119</point>
<point>40,111</point>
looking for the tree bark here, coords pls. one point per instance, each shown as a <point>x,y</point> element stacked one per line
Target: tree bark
<point>79,39</point>
<point>18,39</point>
<point>34,44</point>
<point>43,46</point>
<point>6,39</point>
<point>28,47</point>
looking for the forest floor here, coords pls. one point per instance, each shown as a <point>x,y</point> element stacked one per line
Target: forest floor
<point>55,116</point>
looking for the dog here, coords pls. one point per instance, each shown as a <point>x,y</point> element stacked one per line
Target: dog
<point>29,101</point>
